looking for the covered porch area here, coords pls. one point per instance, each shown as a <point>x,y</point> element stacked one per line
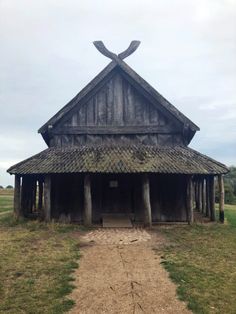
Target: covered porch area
<point>145,198</point>
<point>150,184</point>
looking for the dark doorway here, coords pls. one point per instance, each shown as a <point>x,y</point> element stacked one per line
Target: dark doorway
<point>117,194</point>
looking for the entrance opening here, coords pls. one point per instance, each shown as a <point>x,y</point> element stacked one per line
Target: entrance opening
<point>116,221</point>
<point>117,195</point>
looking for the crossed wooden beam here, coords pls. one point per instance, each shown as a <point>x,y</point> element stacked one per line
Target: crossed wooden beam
<point>131,49</point>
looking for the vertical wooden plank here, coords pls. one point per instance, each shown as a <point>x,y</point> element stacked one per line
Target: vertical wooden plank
<point>204,196</point>
<point>193,194</point>
<point>27,194</point>
<point>34,194</point>
<point>145,108</point>
<point>17,201</point>
<point>221,197</point>
<point>82,115</point>
<point>40,195</point>
<point>90,112</point>
<point>138,109</point>
<point>200,194</point>
<point>130,109</point>
<point>74,119</point>
<point>102,107</point>
<point>162,120</point>
<point>23,196</point>
<point>146,200</point>
<point>212,198</point>
<point>153,115</point>
<point>110,108</point>
<point>189,201</point>
<point>47,197</point>
<point>118,100</point>
<point>87,201</point>
<point>207,197</point>
<point>197,195</point>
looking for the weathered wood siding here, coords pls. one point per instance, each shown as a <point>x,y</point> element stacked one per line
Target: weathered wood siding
<point>167,195</point>
<point>67,197</point>
<point>116,113</point>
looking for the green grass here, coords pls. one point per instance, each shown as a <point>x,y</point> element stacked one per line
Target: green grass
<point>36,266</point>
<point>6,200</point>
<point>201,259</point>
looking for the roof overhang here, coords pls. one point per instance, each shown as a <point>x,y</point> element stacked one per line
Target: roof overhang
<point>119,159</point>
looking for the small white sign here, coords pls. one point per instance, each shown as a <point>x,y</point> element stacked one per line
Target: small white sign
<point>113,184</point>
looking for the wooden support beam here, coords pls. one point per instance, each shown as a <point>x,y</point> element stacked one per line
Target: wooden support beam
<point>200,194</point>
<point>189,202</point>
<point>146,200</point>
<point>207,197</point>
<point>47,197</point>
<point>17,197</point>
<point>40,195</point>
<point>221,197</point>
<point>193,194</point>
<point>212,198</point>
<point>26,195</point>
<point>34,195</point>
<point>204,196</point>
<point>87,201</point>
<point>197,195</point>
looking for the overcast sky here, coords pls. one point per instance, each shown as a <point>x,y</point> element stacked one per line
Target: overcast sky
<point>187,53</point>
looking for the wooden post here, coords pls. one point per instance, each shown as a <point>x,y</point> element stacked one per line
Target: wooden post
<point>40,195</point>
<point>212,198</point>
<point>200,195</point>
<point>197,195</point>
<point>207,197</point>
<point>47,197</point>
<point>221,197</point>
<point>193,194</point>
<point>26,195</point>
<point>146,200</point>
<point>17,202</point>
<point>189,202</point>
<point>203,196</point>
<point>87,201</point>
<point>34,195</point>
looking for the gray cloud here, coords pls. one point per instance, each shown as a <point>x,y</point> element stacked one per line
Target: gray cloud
<point>187,53</point>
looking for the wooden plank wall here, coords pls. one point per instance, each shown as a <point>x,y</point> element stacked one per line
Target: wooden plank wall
<point>168,198</point>
<point>117,104</point>
<point>167,194</point>
<point>116,113</point>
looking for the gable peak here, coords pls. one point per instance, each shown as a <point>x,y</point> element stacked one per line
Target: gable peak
<point>116,57</point>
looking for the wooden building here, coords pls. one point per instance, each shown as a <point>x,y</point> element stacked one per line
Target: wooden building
<point>118,147</point>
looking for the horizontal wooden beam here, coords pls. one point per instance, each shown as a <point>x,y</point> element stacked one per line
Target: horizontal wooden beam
<point>112,130</point>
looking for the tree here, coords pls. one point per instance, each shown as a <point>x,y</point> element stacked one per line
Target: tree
<point>9,187</point>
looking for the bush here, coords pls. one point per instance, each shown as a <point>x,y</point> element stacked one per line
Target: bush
<point>9,187</point>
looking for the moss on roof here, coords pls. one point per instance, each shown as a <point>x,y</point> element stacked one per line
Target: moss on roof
<point>119,159</point>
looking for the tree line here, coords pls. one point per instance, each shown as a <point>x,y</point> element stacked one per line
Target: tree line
<point>230,186</point>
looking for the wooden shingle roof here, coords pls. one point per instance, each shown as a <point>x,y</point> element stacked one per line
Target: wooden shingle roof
<point>123,159</point>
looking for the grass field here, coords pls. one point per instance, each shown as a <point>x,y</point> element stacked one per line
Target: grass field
<point>6,200</point>
<point>201,259</point>
<point>37,260</point>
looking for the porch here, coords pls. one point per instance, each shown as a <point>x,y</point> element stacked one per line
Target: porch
<point>144,198</point>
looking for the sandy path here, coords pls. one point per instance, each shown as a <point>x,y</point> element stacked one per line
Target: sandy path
<point>120,273</point>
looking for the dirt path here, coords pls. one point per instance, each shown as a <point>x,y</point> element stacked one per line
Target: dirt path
<point>120,273</point>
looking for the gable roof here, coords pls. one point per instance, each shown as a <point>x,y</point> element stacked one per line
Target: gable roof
<point>136,80</point>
